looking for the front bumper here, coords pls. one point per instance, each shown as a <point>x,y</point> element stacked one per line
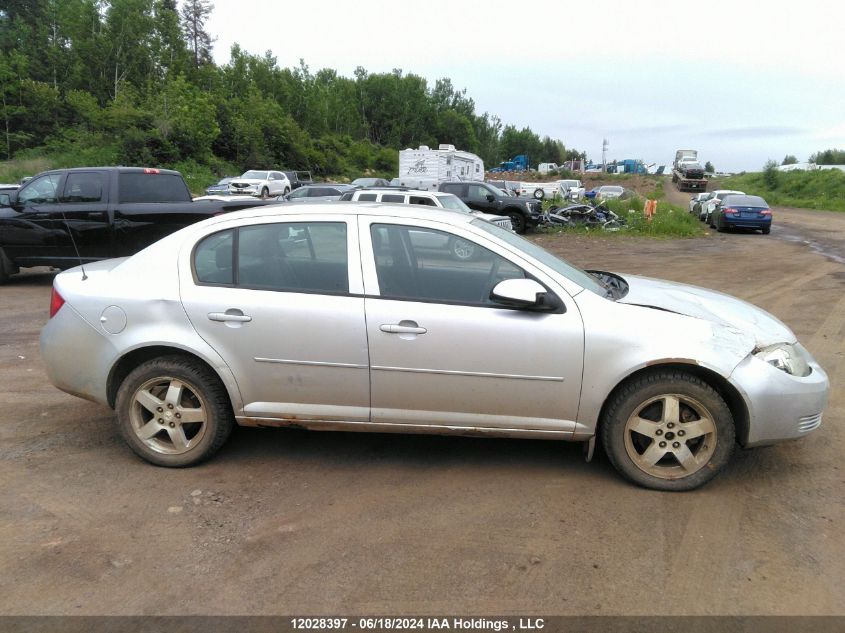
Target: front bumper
<point>780,407</point>
<point>252,190</point>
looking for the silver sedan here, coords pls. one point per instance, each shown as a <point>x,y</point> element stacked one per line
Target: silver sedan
<point>344,317</point>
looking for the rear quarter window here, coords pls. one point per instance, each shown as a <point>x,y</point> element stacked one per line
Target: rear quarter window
<point>141,187</point>
<point>213,259</point>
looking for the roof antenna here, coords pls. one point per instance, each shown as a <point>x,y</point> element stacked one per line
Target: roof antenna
<point>73,241</point>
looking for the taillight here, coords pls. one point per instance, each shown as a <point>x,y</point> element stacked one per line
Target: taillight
<point>729,211</point>
<point>56,302</point>
<point>766,212</point>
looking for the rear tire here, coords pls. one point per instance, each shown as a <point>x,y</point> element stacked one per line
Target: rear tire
<point>668,430</point>
<point>174,411</point>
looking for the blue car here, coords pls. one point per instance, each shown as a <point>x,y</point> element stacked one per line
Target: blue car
<point>743,212</point>
<point>220,189</point>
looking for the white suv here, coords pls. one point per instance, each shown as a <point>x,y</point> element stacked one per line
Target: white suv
<point>400,195</point>
<point>261,183</point>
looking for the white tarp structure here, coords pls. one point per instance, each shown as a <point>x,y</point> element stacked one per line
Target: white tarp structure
<point>808,167</point>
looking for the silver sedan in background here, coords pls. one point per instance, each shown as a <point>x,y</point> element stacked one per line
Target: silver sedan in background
<point>334,317</point>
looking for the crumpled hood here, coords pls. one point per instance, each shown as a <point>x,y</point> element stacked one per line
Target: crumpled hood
<point>708,305</point>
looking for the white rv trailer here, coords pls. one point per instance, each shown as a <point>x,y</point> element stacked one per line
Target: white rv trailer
<point>426,168</point>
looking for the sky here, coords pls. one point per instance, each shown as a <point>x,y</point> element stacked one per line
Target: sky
<point>742,82</point>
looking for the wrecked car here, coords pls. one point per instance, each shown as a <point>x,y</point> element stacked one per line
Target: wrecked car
<point>336,318</point>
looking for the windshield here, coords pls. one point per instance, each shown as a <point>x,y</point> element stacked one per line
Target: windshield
<point>255,175</point>
<point>451,201</point>
<point>580,277</point>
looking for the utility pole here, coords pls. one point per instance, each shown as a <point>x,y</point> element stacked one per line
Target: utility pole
<point>604,146</point>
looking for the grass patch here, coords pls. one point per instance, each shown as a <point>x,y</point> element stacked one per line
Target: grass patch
<point>821,189</point>
<point>669,221</point>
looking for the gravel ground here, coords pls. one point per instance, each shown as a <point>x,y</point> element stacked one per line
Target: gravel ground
<point>285,522</point>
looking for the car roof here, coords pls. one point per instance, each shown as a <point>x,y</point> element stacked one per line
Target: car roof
<point>405,211</point>
<point>399,189</point>
<point>119,169</point>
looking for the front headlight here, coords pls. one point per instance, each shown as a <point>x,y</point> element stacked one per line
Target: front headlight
<point>786,358</point>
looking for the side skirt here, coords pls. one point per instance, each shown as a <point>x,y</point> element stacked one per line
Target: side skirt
<point>422,429</point>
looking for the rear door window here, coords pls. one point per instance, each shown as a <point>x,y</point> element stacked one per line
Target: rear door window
<point>294,256</point>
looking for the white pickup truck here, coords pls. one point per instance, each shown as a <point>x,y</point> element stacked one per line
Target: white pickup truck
<point>572,189</point>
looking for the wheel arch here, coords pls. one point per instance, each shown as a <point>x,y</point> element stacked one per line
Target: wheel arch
<point>131,359</point>
<point>729,393</point>
<point>515,209</point>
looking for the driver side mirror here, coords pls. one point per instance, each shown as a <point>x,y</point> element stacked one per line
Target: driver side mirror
<point>524,293</point>
<point>8,199</point>
<point>490,197</point>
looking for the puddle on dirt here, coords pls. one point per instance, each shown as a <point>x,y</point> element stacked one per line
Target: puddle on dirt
<point>818,247</point>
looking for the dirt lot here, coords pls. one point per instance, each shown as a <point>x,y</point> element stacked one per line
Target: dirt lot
<point>284,522</point>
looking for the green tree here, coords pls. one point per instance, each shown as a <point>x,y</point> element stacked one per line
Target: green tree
<point>186,117</point>
<point>129,28</point>
<point>194,16</point>
<point>524,141</point>
<point>708,167</point>
<point>456,129</point>
<point>789,159</point>
<point>829,157</point>
<point>771,175</point>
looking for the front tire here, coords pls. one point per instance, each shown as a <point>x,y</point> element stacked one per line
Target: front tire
<point>174,411</point>
<point>265,193</point>
<point>5,268</point>
<point>517,222</point>
<point>668,430</point>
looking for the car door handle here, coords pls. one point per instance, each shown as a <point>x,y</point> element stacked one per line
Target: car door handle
<point>397,328</point>
<point>232,315</point>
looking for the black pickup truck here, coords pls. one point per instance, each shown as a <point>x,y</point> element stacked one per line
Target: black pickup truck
<point>101,212</point>
<point>523,212</point>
